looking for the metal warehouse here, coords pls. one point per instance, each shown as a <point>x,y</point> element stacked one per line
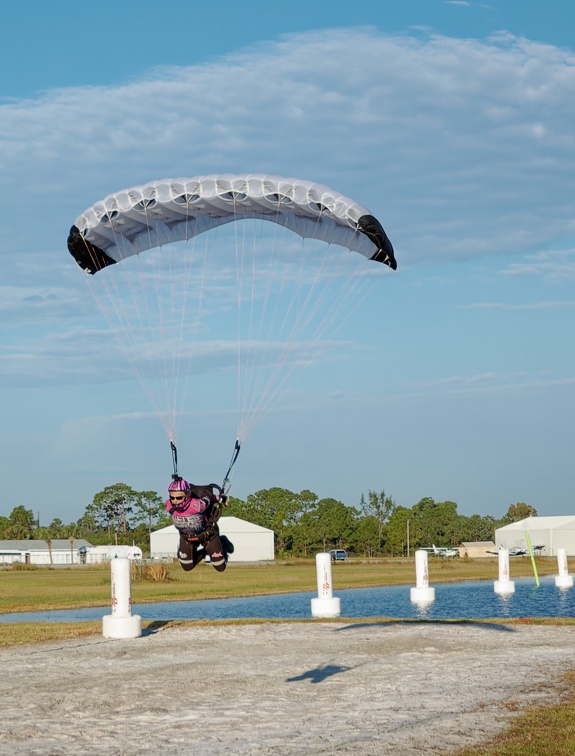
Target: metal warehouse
<point>252,543</point>
<point>547,534</point>
<point>56,551</point>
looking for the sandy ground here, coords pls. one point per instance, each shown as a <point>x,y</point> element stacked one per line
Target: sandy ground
<point>401,688</point>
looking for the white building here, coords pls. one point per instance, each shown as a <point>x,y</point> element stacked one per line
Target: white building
<point>99,554</point>
<point>551,533</point>
<point>252,543</point>
<point>57,551</point>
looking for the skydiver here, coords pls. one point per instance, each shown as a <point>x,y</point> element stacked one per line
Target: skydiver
<point>195,512</point>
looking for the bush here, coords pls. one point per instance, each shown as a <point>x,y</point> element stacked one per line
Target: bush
<point>157,573</point>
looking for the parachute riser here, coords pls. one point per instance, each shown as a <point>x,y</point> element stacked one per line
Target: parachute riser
<point>175,475</point>
<point>226,482</point>
<point>235,453</point>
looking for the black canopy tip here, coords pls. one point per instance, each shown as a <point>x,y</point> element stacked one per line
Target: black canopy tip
<point>88,256</point>
<point>372,228</point>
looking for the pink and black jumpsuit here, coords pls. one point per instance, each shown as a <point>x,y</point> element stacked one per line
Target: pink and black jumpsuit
<point>191,520</point>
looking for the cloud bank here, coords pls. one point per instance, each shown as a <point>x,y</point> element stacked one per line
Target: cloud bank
<point>463,147</point>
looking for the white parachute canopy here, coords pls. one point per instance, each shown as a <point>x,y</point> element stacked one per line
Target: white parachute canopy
<point>249,299</point>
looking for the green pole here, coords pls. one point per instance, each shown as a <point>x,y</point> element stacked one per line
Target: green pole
<point>528,539</point>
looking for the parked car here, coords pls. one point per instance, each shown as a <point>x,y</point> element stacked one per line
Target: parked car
<point>338,555</point>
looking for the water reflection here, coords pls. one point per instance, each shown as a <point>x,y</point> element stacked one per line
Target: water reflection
<point>466,600</point>
<point>421,609</point>
<point>505,604</point>
<point>563,596</point>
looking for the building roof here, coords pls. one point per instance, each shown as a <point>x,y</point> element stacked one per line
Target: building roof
<point>58,544</point>
<point>552,522</point>
<point>230,524</point>
<point>478,544</point>
<point>110,547</point>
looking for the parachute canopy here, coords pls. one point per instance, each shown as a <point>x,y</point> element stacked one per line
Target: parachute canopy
<point>172,210</point>
<point>233,316</point>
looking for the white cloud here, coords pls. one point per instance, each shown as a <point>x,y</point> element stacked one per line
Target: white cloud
<point>466,4</point>
<point>528,306</point>
<point>491,382</point>
<point>552,264</point>
<point>462,147</point>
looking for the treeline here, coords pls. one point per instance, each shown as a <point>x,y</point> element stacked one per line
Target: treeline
<point>303,524</point>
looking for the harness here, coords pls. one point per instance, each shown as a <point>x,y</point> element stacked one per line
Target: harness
<point>212,513</point>
<point>211,490</point>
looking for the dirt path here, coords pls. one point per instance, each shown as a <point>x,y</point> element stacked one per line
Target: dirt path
<point>293,688</point>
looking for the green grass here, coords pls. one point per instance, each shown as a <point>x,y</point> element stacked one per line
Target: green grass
<point>548,730</point>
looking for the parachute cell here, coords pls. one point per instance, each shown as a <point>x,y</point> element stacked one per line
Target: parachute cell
<point>172,210</point>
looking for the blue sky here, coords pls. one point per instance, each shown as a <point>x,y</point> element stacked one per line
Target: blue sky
<point>451,121</point>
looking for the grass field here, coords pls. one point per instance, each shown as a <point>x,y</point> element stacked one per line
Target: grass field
<point>549,730</point>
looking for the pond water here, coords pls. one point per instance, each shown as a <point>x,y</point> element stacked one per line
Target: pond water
<point>466,600</point>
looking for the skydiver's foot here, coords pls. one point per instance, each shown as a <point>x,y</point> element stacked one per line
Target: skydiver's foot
<point>227,544</point>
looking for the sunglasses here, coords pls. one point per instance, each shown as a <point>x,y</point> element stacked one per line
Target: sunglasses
<point>177,498</point>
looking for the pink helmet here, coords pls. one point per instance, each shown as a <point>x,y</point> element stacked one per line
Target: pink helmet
<point>179,484</point>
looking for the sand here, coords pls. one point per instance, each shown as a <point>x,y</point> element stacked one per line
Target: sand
<point>287,688</point>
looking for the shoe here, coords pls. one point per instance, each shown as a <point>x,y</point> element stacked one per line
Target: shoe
<point>227,544</point>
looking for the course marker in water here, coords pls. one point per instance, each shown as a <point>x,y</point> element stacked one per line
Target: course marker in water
<point>530,547</point>
<point>563,579</point>
<point>504,584</point>
<point>325,605</point>
<point>121,623</point>
<point>422,593</point>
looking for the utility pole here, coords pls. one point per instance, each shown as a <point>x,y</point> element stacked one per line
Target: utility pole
<point>408,539</point>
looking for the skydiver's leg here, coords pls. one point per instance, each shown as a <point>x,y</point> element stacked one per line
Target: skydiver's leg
<point>227,544</point>
<point>189,554</point>
<point>217,553</point>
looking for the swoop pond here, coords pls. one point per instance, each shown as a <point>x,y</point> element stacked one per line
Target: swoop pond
<point>465,600</point>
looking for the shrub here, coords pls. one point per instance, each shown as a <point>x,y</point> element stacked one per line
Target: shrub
<point>157,573</point>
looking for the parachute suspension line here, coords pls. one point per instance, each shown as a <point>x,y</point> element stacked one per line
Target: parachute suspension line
<point>270,388</point>
<point>190,344</point>
<point>175,268</point>
<point>141,299</point>
<point>162,370</point>
<point>266,282</point>
<point>259,355</point>
<point>107,289</point>
<point>239,282</point>
<point>263,397</point>
<point>321,302</point>
<point>189,260</point>
<point>249,352</point>
<point>245,351</point>
<point>143,318</point>
<point>148,325</point>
